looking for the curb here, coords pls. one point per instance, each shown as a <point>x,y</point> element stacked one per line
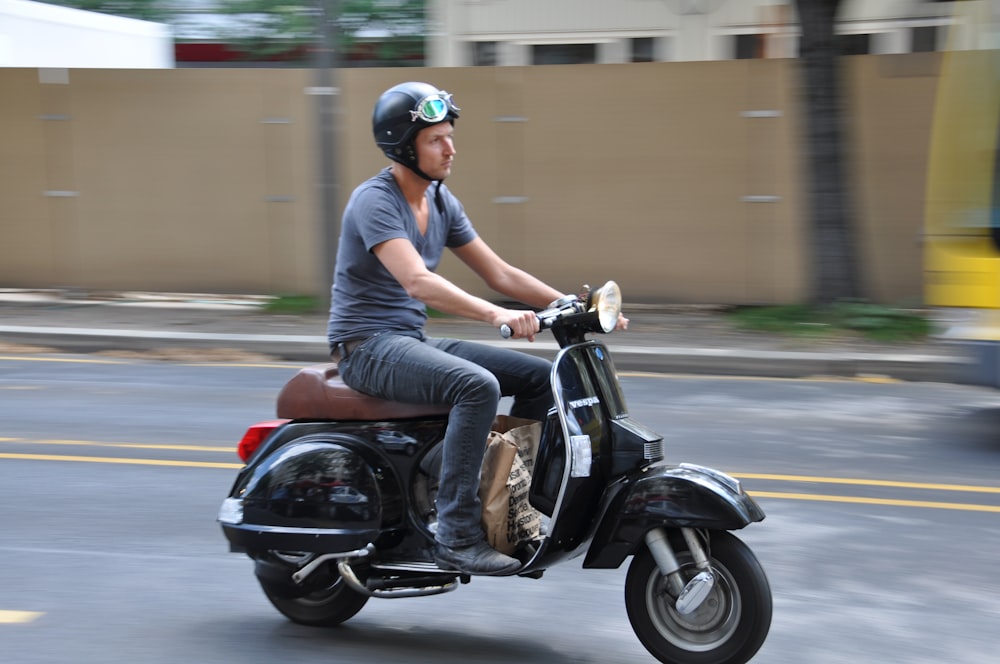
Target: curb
<point>703,361</point>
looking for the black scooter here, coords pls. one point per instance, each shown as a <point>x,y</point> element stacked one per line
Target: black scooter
<point>336,503</point>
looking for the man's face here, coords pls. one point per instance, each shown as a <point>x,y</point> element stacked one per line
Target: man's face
<point>435,147</point>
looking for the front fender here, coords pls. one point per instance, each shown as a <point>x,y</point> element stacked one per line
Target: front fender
<point>684,496</point>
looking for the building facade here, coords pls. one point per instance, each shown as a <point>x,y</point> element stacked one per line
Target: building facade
<point>538,32</point>
<point>37,34</point>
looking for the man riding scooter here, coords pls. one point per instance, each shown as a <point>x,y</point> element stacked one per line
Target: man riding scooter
<point>395,228</point>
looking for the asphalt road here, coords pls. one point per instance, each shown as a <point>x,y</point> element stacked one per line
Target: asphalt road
<point>880,543</point>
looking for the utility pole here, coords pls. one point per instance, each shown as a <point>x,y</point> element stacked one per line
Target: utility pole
<point>326,93</point>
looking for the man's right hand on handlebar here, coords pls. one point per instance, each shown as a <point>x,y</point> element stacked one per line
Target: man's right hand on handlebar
<point>522,323</point>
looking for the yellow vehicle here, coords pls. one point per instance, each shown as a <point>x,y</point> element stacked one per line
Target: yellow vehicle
<point>962,244</point>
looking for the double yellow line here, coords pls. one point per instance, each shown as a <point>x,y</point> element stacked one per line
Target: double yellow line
<point>121,460</point>
<point>775,495</point>
<point>861,500</point>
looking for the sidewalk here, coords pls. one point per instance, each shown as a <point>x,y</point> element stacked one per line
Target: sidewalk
<point>672,339</point>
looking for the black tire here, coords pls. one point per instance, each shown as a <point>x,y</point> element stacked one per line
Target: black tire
<point>728,628</point>
<point>327,602</point>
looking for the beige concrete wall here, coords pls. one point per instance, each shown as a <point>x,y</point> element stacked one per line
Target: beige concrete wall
<point>680,180</point>
<point>890,129</point>
<point>161,180</point>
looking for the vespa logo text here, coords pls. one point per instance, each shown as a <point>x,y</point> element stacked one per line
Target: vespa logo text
<point>582,403</point>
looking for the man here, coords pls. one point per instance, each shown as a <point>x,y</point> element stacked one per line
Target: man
<point>395,228</point>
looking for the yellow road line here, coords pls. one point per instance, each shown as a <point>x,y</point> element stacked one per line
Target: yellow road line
<point>69,360</point>
<point>144,446</point>
<point>858,500</point>
<point>136,462</point>
<point>12,617</point>
<point>242,365</point>
<point>817,378</point>
<point>80,360</point>
<point>809,479</point>
<point>864,482</point>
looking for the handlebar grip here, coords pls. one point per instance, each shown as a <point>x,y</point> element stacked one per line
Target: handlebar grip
<point>543,324</point>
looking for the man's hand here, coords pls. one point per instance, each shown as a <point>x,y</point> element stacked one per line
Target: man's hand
<point>523,324</point>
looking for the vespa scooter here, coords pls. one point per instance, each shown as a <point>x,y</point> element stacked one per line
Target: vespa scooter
<point>336,503</point>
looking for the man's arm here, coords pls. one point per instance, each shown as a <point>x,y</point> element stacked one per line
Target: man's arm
<point>503,277</point>
<point>509,280</point>
<point>406,266</point>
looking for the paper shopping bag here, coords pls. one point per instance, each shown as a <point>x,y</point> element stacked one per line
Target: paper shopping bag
<point>508,518</point>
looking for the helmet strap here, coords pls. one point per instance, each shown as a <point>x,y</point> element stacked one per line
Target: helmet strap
<point>416,169</point>
<point>438,200</point>
<point>411,163</point>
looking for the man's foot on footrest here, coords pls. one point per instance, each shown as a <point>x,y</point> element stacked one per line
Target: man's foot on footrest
<point>479,558</point>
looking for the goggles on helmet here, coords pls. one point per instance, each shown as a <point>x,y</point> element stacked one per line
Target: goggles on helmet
<point>433,108</point>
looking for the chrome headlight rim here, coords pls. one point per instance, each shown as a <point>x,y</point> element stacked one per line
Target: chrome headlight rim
<point>607,302</point>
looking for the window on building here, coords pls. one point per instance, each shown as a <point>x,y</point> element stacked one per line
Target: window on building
<point>643,49</point>
<point>924,38</point>
<point>563,54</point>
<point>748,47</point>
<point>484,54</point>
<point>856,44</point>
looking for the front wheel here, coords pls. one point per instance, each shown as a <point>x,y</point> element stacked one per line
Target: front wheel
<point>731,624</point>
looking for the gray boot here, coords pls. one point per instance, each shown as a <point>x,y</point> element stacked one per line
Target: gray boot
<point>479,558</point>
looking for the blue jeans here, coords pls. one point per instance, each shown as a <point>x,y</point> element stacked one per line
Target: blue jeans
<point>469,376</point>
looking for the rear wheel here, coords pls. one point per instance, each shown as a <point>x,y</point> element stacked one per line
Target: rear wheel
<point>325,601</point>
<point>731,624</point>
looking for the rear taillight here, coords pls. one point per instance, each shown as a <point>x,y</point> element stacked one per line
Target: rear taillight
<point>256,435</point>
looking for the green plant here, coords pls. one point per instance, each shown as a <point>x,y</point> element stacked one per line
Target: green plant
<point>873,321</point>
<point>293,304</point>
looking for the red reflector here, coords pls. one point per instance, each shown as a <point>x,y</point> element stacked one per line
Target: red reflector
<point>256,435</point>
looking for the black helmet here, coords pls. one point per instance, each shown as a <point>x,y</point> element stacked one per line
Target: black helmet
<point>402,111</point>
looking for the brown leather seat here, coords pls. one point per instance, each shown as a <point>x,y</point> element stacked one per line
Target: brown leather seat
<point>318,393</point>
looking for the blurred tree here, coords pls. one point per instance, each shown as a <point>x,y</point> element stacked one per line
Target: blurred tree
<point>836,268</point>
<point>147,10</point>
<point>383,32</point>
<point>394,28</point>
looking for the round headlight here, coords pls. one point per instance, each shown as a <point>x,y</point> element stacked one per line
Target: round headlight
<point>607,302</point>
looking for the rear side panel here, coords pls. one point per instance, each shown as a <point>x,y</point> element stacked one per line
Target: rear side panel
<point>318,493</point>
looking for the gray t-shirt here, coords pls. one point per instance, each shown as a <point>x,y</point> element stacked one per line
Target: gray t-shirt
<point>366,299</point>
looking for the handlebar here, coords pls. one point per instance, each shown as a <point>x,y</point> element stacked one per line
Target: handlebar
<point>507,333</point>
<point>546,318</point>
<point>604,303</point>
